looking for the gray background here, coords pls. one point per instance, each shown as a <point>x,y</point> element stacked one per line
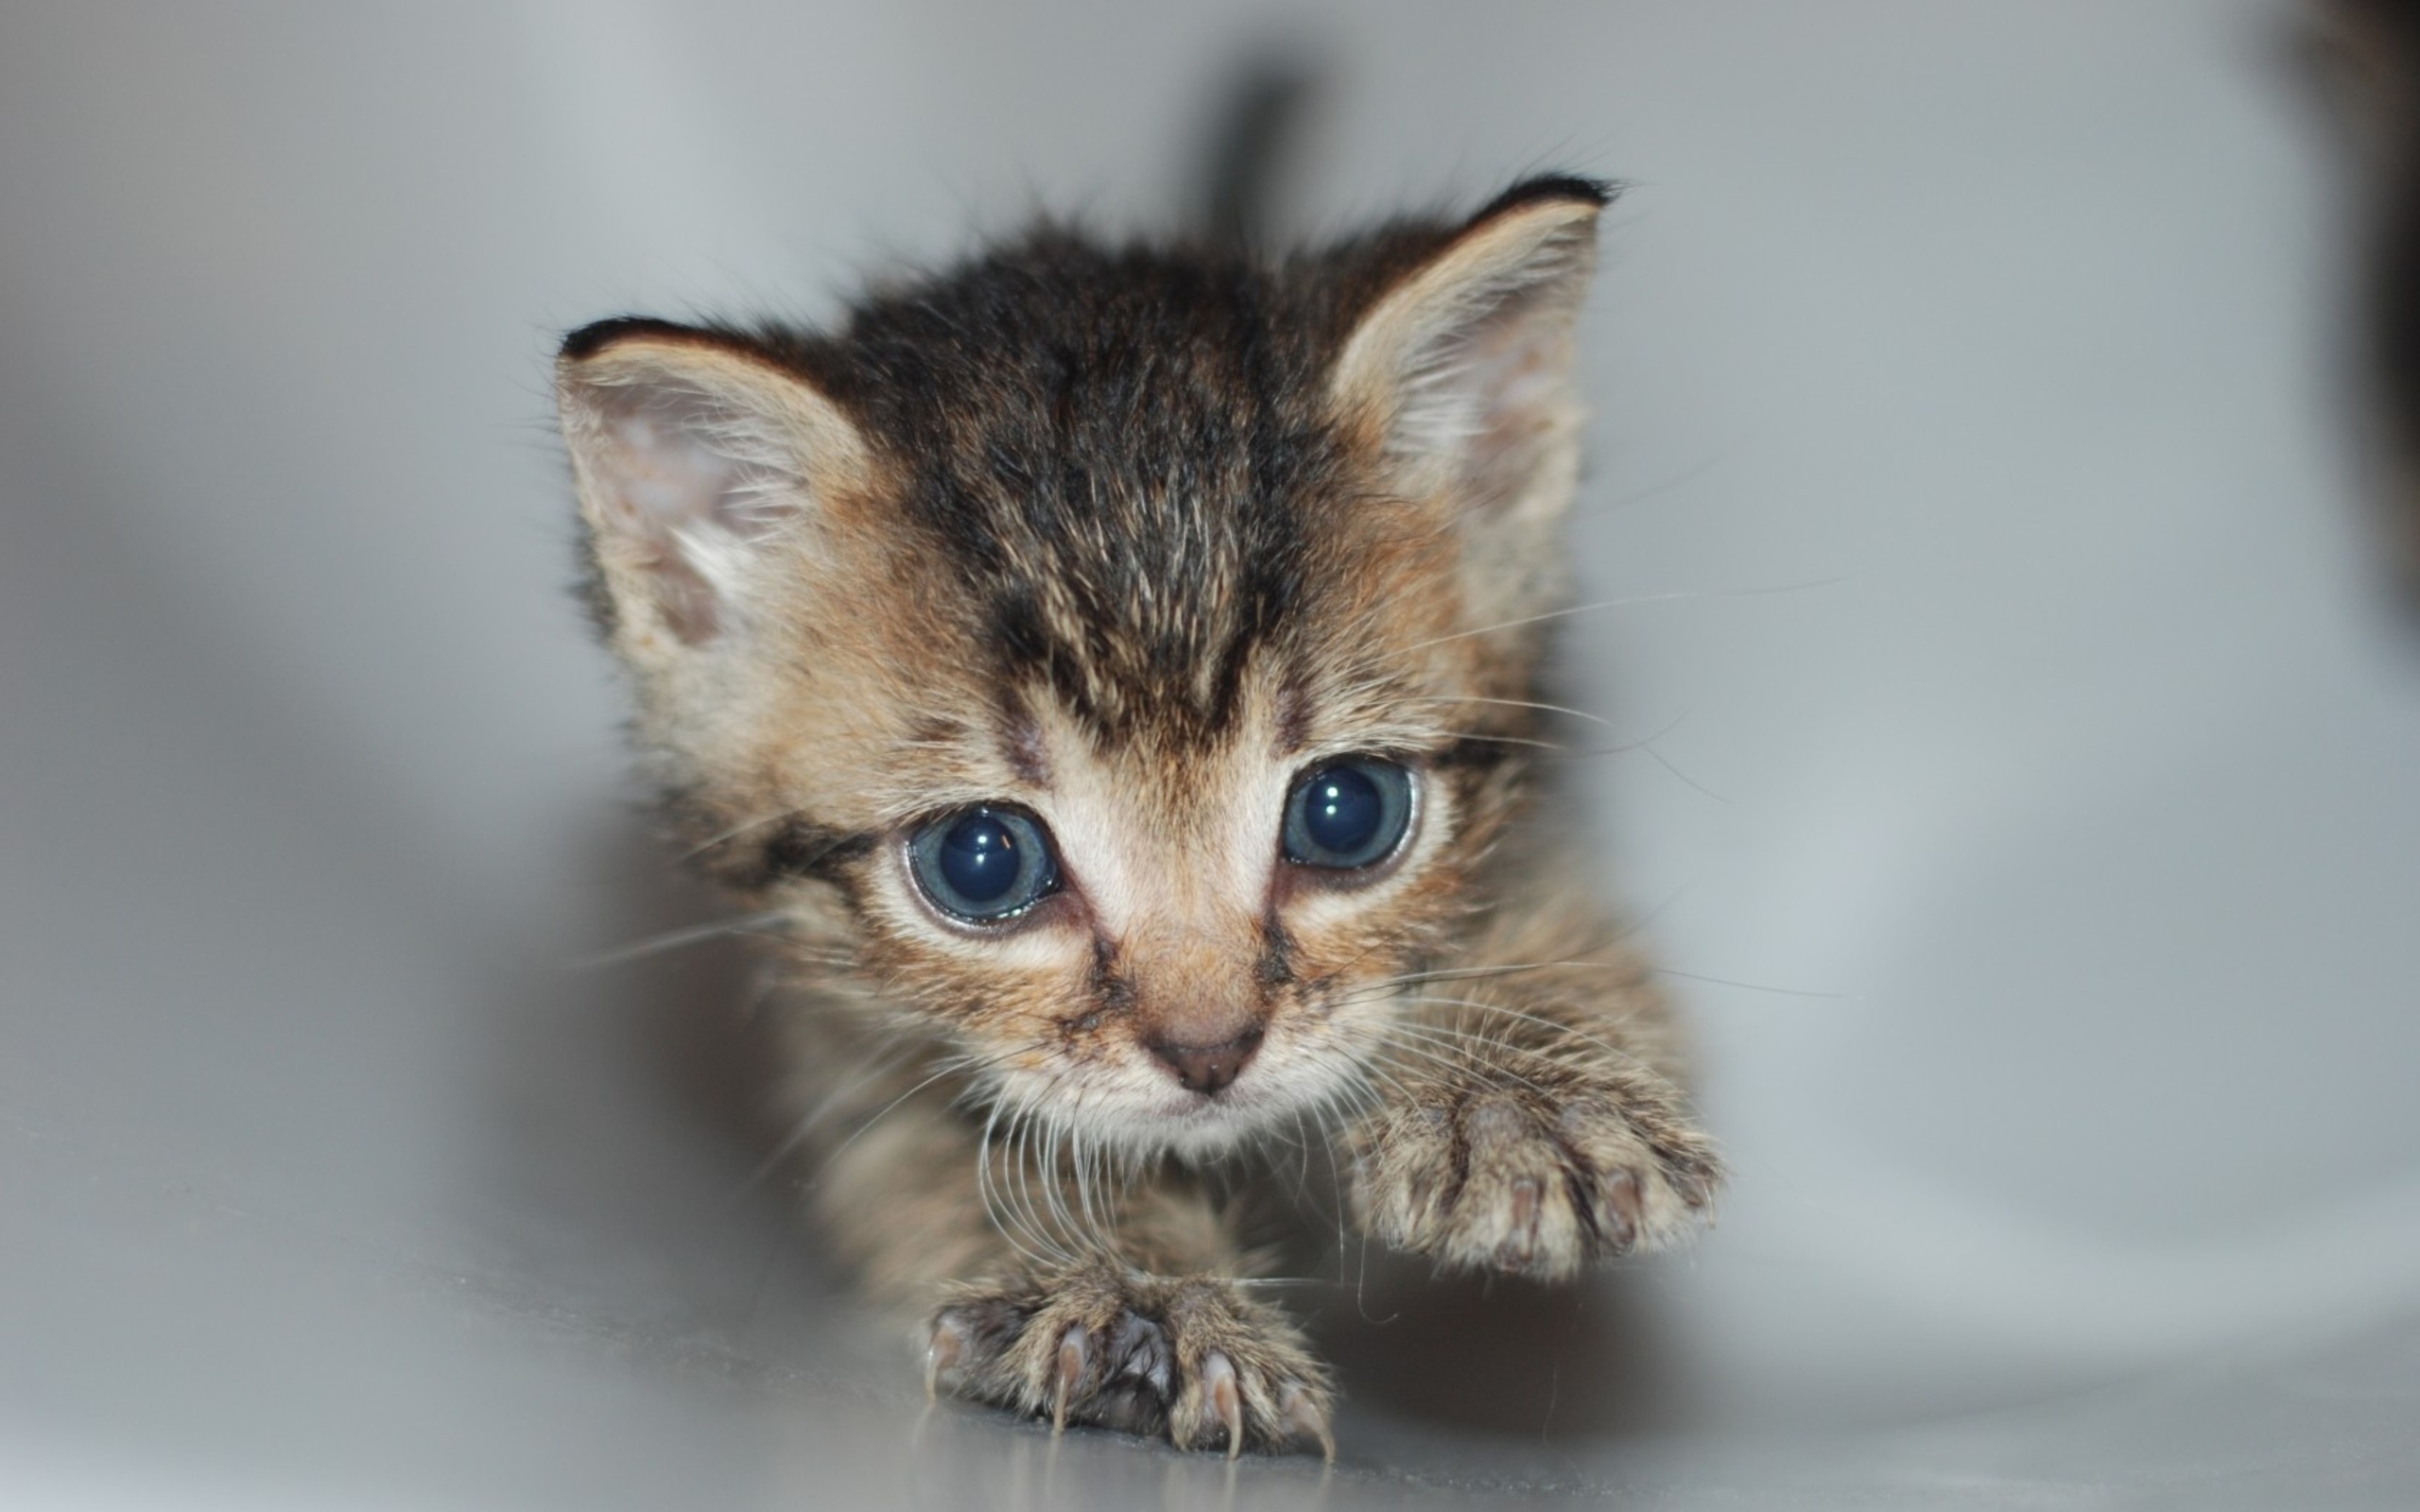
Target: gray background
<point>2023,777</point>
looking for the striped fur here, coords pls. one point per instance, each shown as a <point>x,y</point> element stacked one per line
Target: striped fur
<point>1130,538</point>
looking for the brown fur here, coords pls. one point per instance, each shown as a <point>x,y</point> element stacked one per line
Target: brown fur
<point>1129,540</point>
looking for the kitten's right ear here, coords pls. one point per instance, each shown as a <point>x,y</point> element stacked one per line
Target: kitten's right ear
<point>691,454</point>
<point>1461,372</point>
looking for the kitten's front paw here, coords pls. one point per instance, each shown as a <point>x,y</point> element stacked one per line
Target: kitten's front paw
<point>1533,1181</point>
<point>1189,1356</point>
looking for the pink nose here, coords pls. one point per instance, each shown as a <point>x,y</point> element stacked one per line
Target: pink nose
<point>1207,1068</point>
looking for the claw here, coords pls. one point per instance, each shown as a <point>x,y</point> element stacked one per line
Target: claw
<point>1299,1416</point>
<point>942,1352</point>
<point>1622,1202</point>
<point>1070,1370</point>
<point>1521,1245</point>
<point>1224,1397</point>
<point>1694,1187</point>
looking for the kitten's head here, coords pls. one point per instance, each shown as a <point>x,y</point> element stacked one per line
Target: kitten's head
<point>1115,659</point>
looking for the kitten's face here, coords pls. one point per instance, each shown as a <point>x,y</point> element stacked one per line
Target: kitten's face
<point>1176,924</point>
<point>1105,659</point>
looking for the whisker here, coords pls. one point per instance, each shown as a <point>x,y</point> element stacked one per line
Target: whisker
<point>993,1191</point>
<point>1666,761</point>
<point>1452,974</point>
<point>1558,1026</point>
<point>733,833</point>
<point>1760,987</point>
<point>1055,1191</point>
<point>1647,743</point>
<point>968,1066</point>
<point>675,938</point>
<point>1506,740</point>
<point>1630,601</point>
<point>1467,1064</point>
<point>800,1133</point>
<point>1517,703</point>
<point>1034,1127</point>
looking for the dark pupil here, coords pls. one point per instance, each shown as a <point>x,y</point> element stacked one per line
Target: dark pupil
<point>1340,810</point>
<point>979,858</point>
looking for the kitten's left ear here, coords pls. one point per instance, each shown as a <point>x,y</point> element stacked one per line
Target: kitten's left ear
<point>1462,370</point>
<point>695,455</point>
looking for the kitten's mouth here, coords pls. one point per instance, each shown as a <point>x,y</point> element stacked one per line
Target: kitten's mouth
<point>1145,1111</point>
<point>1219,1107</point>
<point>1199,1122</point>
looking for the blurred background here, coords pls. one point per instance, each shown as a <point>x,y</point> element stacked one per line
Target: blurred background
<point>2020,771</point>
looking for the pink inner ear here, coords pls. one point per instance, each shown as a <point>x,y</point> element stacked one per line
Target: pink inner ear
<point>1472,355</point>
<point>667,481</point>
<point>675,497</point>
<point>1520,369</point>
<point>1491,395</point>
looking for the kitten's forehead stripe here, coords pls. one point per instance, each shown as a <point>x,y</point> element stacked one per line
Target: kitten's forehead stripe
<point>1123,461</point>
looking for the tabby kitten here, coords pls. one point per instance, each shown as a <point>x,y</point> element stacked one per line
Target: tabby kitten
<point>1118,670</point>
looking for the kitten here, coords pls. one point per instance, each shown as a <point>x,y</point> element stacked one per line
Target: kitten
<point>1116,667</point>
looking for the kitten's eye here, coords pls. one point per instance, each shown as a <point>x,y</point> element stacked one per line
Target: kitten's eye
<point>1348,814</point>
<point>983,864</point>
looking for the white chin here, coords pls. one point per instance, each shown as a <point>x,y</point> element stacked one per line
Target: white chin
<point>1199,1128</point>
<point>1158,1118</point>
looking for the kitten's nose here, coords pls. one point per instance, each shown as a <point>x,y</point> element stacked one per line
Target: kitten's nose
<point>1207,1068</point>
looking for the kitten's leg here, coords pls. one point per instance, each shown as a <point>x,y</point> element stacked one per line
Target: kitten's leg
<point>1535,1118</point>
<point>1138,1318</point>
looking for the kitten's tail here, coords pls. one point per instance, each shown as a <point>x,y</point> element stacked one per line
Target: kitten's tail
<point>1251,145</point>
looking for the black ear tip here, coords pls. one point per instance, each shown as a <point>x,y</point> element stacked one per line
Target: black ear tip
<point>596,336</point>
<point>1563,186</point>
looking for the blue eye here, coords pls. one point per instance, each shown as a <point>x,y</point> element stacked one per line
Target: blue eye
<point>984,864</point>
<point>1348,814</point>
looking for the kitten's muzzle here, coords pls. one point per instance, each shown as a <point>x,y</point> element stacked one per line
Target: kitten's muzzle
<point>1207,1068</point>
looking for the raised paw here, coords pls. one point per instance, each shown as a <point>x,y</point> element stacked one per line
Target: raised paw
<point>1186,1356</point>
<point>1532,1181</point>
